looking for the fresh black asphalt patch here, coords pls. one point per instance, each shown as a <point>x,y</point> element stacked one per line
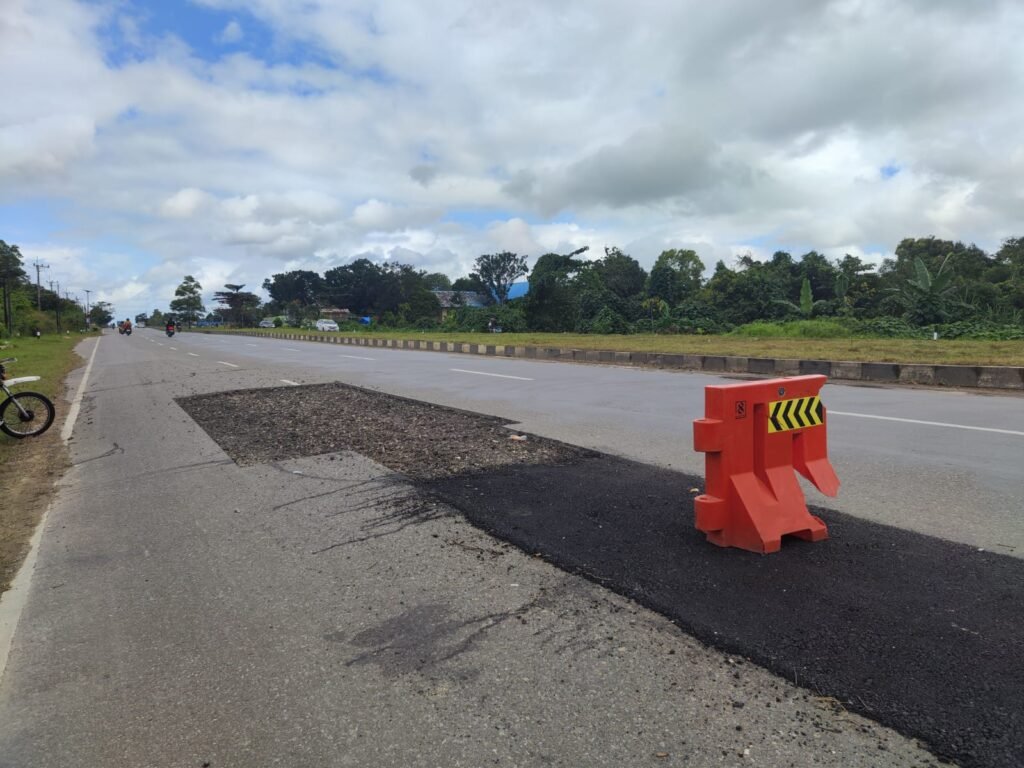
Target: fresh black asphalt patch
<point>918,633</point>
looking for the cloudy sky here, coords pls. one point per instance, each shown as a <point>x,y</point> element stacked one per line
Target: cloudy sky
<point>143,140</point>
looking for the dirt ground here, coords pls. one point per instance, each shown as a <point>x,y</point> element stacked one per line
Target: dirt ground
<point>417,439</point>
<point>26,485</point>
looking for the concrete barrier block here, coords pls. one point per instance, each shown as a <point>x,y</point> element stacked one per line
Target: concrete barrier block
<point>713,363</point>
<point>957,375</point>
<point>592,356</point>
<point>640,358</point>
<point>761,365</point>
<point>490,349</point>
<point>880,371</point>
<point>673,361</point>
<point>786,367</point>
<point>914,373</point>
<point>605,356</point>
<point>736,364</point>
<point>567,354</point>
<point>846,370</point>
<point>623,358</point>
<point>1001,377</point>
<point>808,367</point>
<point>693,362</point>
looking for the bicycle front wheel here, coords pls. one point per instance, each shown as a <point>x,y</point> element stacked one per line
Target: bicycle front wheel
<point>26,414</point>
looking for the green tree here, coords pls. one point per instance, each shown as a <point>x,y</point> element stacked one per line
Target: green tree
<point>11,277</point>
<point>300,286</point>
<point>551,304</point>
<point>498,271</point>
<point>807,303</point>
<point>926,298</point>
<point>620,273</point>
<point>471,283</point>
<point>241,307</point>
<point>437,281</point>
<point>101,313</point>
<point>188,301</point>
<point>678,274</point>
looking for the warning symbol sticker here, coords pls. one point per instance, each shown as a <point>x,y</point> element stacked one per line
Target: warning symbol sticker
<point>796,413</point>
<point>741,409</point>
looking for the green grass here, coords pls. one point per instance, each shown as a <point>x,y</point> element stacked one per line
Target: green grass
<point>943,351</point>
<point>50,357</point>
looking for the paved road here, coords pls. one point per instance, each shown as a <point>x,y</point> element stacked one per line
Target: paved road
<point>185,611</point>
<point>944,463</point>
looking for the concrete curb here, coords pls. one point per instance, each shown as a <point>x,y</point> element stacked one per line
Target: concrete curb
<point>966,376</point>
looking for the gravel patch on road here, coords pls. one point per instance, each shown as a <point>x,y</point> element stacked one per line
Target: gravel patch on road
<point>418,439</point>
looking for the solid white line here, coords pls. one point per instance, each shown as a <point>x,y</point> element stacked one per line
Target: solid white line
<point>290,382</point>
<point>497,375</point>
<point>193,354</point>
<point>830,412</point>
<point>356,357</point>
<point>223,363</point>
<point>76,404</point>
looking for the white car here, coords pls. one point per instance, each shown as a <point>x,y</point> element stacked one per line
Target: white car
<point>326,325</point>
<point>267,323</point>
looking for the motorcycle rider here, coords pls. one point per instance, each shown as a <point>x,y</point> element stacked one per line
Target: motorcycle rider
<point>170,327</point>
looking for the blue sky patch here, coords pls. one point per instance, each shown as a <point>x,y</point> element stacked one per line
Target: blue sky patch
<point>889,170</point>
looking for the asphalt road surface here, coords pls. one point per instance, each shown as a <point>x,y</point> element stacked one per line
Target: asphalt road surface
<point>943,463</point>
<point>185,611</point>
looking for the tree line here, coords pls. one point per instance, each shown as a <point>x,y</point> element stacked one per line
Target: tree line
<point>930,283</point>
<point>27,306</point>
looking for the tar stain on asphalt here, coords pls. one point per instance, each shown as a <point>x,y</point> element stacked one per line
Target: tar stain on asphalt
<point>918,633</point>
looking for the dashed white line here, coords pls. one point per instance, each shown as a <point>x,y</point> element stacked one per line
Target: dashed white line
<point>926,423</point>
<point>252,345</point>
<point>496,375</point>
<point>290,382</point>
<point>193,354</point>
<point>292,349</point>
<point>175,349</point>
<point>223,363</point>
<point>356,357</point>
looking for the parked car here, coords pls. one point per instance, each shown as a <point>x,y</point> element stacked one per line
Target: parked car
<point>326,325</point>
<point>267,323</point>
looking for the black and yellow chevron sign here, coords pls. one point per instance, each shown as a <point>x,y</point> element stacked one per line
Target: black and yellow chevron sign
<point>797,413</point>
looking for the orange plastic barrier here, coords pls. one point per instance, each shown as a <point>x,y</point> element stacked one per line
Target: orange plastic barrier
<point>755,435</point>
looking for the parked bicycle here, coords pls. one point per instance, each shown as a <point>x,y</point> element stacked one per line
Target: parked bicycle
<point>23,414</point>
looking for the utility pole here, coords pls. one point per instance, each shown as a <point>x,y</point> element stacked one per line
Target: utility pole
<point>57,303</point>
<point>87,292</point>
<point>39,290</point>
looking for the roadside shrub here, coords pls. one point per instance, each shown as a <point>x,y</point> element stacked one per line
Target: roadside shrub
<point>978,329</point>
<point>608,321</point>
<point>796,329</point>
<point>886,328</point>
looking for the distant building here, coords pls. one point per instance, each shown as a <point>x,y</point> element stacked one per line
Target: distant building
<point>451,300</point>
<point>335,314</point>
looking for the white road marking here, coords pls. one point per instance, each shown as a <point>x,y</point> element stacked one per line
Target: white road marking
<point>293,349</point>
<point>252,345</point>
<point>496,375</point>
<point>830,412</point>
<point>175,349</point>
<point>69,422</point>
<point>223,363</point>
<point>160,343</point>
<point>193,354</point>
<point>290,382</point>
<point>356,357</point>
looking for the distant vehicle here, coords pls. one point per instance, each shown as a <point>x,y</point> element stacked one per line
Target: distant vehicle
<point>326,325</point>
<point>267,323</point>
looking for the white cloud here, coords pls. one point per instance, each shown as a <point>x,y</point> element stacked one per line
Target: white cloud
<point>647,126</point>
<point>232,33</point>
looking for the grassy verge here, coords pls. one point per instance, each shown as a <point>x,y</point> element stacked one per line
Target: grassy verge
<point>943,351</point>
<point>30,467</point>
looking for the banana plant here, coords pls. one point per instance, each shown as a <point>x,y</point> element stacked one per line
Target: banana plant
<point>807,303</point>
